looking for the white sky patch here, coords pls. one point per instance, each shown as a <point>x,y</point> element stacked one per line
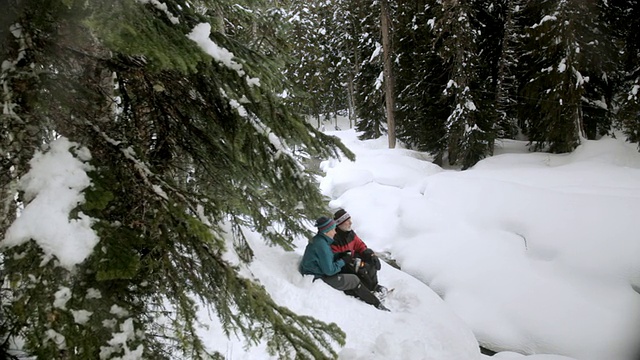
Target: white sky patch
<point>162,7</point>
<point>52,189</point>
<point>200,35</point>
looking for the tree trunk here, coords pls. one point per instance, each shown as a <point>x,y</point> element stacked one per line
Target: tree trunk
<point>385,24</point>
<point>351,101</point>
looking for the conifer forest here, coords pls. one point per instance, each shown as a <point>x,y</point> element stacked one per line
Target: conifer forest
<point>187,149</point>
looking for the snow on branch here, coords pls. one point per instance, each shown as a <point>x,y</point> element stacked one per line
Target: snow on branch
<point>53,187</point>
<point>162,7</point>
<point>200,35</point>
<point>140,166</point>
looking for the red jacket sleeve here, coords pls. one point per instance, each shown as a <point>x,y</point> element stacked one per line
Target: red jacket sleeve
<point>358,245</point>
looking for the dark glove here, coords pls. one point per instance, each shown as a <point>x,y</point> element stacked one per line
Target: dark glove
<point>367,254</point>
<point>345,256</point>
<point>370,257</point>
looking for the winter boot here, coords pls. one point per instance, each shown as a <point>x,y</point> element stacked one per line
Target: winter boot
<point>364,294</point>
<point>381,292</point>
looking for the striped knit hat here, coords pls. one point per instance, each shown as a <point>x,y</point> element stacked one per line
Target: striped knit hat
<point>341,216</point>
<point>324,224</point>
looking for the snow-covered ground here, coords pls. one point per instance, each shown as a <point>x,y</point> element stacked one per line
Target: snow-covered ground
<point>525,253</point>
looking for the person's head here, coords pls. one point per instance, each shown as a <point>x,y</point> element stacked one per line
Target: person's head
<point>343,220</point>
<point>326,226</point>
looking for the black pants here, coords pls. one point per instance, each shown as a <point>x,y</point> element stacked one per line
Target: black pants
<point>351,285</point>
<point>368,274</point>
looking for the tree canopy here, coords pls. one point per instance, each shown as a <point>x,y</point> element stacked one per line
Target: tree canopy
<point>181,106</point>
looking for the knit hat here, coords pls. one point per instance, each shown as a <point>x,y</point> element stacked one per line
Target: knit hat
<point>341,216</point>
<point>324,224</point>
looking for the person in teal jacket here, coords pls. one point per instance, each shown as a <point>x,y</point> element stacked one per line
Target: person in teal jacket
<point>318,260</point>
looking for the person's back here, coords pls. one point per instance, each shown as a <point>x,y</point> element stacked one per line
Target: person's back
<point>318,259</point>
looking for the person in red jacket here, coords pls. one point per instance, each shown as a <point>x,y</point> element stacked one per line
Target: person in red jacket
<point>364,258</point>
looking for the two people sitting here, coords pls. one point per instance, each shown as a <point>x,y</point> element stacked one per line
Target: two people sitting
<point>336,268</point>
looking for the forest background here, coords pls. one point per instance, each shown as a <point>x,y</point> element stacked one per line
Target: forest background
<point>193,115</point>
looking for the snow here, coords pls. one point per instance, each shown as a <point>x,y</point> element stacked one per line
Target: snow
<point>81,316</point>
<point>61,297</point>
<point>534,255</point>
<point>544,20</point>
<point>562,66</point>
<point>118,311</point>
<point>200,35</point>
<point>52,188</point>
<point>119,343</point>
<point>93,294</point>
<point>56,338</point>
<point>162,7</point>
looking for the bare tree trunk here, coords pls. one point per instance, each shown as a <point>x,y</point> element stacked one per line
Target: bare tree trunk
<point>351,101</point>
<point>352,86</point>
<point>385,24</point>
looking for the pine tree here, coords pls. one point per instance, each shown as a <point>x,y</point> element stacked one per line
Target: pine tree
<point>312,67</point>
<point>599,59</point>
<point>368,81</point>
<point>422,109</point>
<point>470,135</point>
<point>563,47</point>
<point>344,39</point>
<point>622,19</point>
<point>499,44</point>
<point>187,150</point>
